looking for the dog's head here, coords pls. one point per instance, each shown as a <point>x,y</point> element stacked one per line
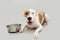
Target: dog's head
<point>29,14</point>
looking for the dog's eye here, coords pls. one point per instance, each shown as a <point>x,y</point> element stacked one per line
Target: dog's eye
<point>32,13</point>
<point>26,13</point>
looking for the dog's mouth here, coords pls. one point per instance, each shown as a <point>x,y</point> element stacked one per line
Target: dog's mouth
<point>30,22</point>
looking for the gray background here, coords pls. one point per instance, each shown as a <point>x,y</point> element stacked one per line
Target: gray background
<point>11,11</point>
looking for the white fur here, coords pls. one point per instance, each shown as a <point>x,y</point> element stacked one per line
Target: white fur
<point>36,23</point>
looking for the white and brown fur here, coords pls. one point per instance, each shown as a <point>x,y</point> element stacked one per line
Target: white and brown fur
<point>38,20</point>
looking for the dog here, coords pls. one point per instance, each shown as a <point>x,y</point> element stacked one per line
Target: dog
<point>35,20</point>
<point>13,28</point>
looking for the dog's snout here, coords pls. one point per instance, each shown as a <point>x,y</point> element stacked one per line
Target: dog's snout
<point>29,18</point>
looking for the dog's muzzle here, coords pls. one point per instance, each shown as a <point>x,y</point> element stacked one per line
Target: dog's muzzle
<point>29,18</point>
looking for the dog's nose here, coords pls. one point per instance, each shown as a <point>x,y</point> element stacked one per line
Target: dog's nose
<point>29,18</point>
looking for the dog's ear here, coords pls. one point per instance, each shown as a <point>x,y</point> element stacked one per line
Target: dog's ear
<point>26,12</point>
<point>7,26</point>
<point>41,15</point>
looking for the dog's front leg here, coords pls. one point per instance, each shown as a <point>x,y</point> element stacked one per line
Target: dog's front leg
<point>36,35</point>
<point>22,28</point>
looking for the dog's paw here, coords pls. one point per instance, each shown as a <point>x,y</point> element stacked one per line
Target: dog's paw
<point>36,36</point>
<point>21,31</point>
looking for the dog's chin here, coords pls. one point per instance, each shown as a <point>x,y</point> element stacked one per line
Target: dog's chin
<point>29,22</point>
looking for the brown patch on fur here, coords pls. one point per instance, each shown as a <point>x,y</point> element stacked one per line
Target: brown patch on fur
<point>26,12</point>
<point>45,21</point>
<point>41,15</point>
